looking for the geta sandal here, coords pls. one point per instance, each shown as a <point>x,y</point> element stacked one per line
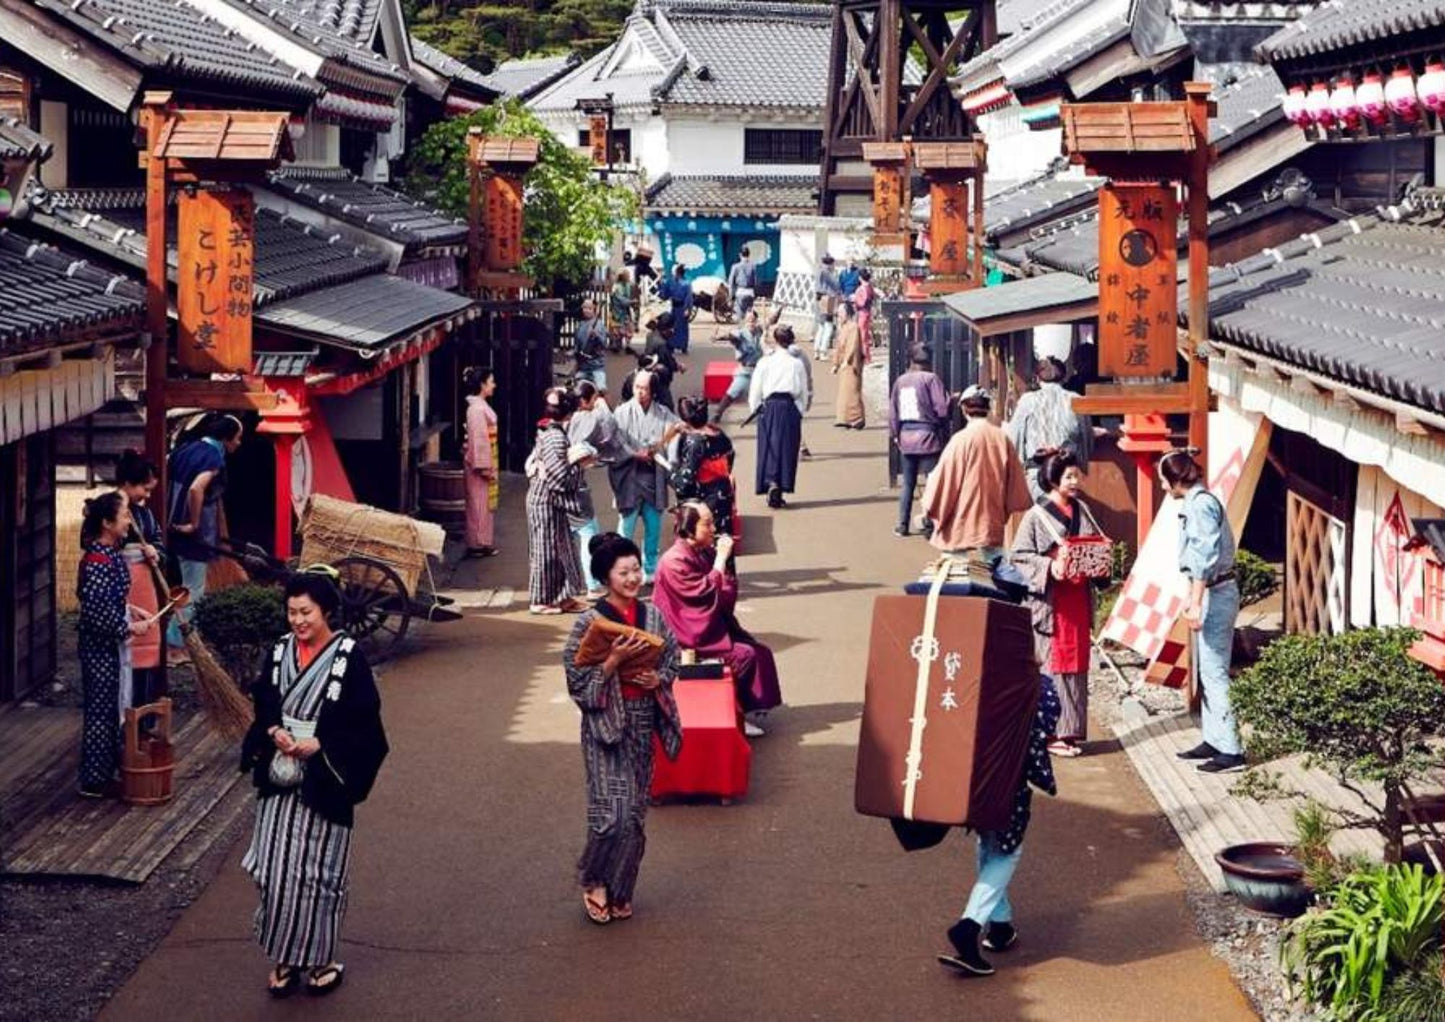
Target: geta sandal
<point>290,979</point>
<point>321,989</point>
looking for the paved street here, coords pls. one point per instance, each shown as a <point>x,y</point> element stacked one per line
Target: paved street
<point>786,906</point>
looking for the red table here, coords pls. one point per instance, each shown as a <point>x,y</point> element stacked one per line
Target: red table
<point>715,758</point>
<point>716,379</point>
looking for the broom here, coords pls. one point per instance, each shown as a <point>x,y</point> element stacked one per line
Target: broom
<point>226,707</point>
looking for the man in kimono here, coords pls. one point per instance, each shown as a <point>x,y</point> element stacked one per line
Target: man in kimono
<point>828,293</point>
<point>590,346</point>
<point>1044,422</point>
<point>918,425</point>
<point>978,484</point>
<point>743,283</point>
<point>646,431</point>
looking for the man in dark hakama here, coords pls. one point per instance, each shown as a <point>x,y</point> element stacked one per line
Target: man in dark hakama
<point>778,397</point>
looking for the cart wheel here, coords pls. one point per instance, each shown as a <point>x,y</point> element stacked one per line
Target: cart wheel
<point>375,608</point>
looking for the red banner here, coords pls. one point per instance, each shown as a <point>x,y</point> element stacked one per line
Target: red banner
<point>214,280</point>
<point>1138,280</point>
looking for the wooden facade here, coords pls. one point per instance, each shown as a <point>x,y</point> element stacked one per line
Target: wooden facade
<point>27,565</point>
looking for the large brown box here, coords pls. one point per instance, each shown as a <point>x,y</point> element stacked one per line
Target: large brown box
<point>982,690</point>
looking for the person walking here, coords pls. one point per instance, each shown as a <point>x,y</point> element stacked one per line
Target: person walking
<point>918,426</point>
<point>1206,558</point>
<point>848,280</point>
<point>863,298</point>
<point>620,716</point>
<point>592,426</point>
<point>848,365</point>
<point>105,628</point>
<point>665,365</point>
<point>747,342</point>
<point>778,396</point>
<point>314,751</point>
<point>677,290</point>
<point>197,473</point>
<point>704,468</point>
<point>977,486</point>
<point>743,283</point>
<point>620,303</point>
<point>826,294</point>
<point>481,461</point>
<point>555,576</point>
<point>589,346</point>
<point>646,430</point>
<point>1044,422</point>
<point>1062,605</point>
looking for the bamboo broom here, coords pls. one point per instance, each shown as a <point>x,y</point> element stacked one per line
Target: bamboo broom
<point>226,707</point>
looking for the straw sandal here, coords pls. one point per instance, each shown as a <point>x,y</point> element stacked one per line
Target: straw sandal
<point>544,608</point>
<point>1064,749</point>
<point>621,911</point>
<point>597,911</point>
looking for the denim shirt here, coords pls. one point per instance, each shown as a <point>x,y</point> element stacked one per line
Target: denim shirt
<point>1206,543</point>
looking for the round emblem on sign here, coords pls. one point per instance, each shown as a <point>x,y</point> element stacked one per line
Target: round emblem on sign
<point>1138,248</point>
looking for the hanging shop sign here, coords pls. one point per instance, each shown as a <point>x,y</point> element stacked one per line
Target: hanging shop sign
<point>1138,280</point>
<point>215,280</point>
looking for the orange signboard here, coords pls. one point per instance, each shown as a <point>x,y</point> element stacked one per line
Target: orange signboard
<point>215,276</point>
<point>597,139</point>
<point>1138,280</point>
<point>948,228</point>
<point>504,221</point>
<point>887,198</point>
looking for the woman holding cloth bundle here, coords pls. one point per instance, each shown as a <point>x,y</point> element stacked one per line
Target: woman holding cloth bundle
<point>625,695</point>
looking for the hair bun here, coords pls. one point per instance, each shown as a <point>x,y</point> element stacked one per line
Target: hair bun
<point>598,541</point>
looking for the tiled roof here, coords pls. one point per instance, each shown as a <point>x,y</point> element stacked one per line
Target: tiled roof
<point>1053,63</point>
<point>1362,302</point>
<point>1016,16</point>
<point>1029,294</point>
<point>1036,202</point>
<point>364,313</point>
<point>448,66</point>
<point>310,23</point>
<point>756,195</point>
<point>349,19</point>
<point>985,67</point>
<point>47,294</point>
<point>1340,24</point>
<point>1248,104</point>
<point>526,78</point>
<point>175,39</point>
<point>379,210</point>
<point>19,142</point>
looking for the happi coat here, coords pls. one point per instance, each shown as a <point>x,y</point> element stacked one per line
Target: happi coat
<point>635,482</point>
<point>977,484</point>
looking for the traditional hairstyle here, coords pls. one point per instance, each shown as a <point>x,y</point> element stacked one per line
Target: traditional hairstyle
<point>1057,464</point>
<point>663,322</point>
<point>975,406</point>
<point>679,271</point>
<point>474,378</point>
<point>586,390</point>
<point>318,584</point>
<point>558,403</point>
<point>865,273</point>
<point>604,551</point>
<point>1052,370</point>
<point>784,336</point>
<point>693,411</point>
<point>745,251</point>
<point>920,355</point>
<point>224,428</point>
<point>100,509</point>
<point>134,469</point>
<point>686,516</point>
<point>1179,468</point>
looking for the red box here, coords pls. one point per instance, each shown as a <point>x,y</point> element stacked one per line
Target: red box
<point>716,379</point>
<point>715,759</point>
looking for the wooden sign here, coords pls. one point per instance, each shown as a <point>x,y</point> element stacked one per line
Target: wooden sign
<point>948,228</point>
<point>504,222</point>
<point>215,277</point>
<point>1138,280</point>
<point>887,198</point>
<point>597,139</point>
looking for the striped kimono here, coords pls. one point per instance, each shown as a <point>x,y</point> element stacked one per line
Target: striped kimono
<point>617,730</point>
<point>300,851</point>
<point>552,496</point>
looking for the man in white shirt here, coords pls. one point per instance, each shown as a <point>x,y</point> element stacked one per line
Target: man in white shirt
<point>778,396</point>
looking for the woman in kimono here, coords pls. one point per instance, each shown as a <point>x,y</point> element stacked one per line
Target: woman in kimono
<point>619,719</point>
<point>105,628</point>
<point>697,595</point>
<point>555,578</point>
<point>137,477</point>
<point>314,751</point>
<point>664,364</point>
<point>848,362</point>
<point>864,295</point>
<point>1063,607</point>
<point>479,455</point>
<point>704,463</point>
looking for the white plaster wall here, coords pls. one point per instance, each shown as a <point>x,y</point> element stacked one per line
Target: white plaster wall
<point>703,146</point>
<point>1016,153</point>
<point>649,145</point>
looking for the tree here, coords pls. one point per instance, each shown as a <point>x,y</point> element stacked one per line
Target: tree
<point>1357,705</point>
<point>569,212</point>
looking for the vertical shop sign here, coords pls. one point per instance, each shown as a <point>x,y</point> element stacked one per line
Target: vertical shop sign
<point>1138,280</point>
<point>215,279</point>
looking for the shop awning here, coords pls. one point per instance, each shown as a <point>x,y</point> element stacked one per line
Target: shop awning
<point>1026,303</point>
<point>365,314</point>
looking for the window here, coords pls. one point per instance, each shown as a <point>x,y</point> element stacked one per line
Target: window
<point>783,145</point>
<point>621,143</point>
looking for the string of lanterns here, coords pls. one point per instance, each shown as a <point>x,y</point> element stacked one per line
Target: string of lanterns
<point>1346,106</point>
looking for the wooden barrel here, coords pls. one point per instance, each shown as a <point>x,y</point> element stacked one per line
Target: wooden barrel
<point>443,492</point>
<point>148,762</point>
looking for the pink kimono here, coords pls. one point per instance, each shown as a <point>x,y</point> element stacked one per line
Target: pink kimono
<point>480,454</point>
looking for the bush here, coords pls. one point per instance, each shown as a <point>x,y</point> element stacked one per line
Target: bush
<point>1418,993</point>
<point>1255,577</point>
<point>1357,705</point>
<point>241,624</point>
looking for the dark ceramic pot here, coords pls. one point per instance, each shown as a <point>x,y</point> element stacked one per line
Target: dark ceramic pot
<point>1266,877</point>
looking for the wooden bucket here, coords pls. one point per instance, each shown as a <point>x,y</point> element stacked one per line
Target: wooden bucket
<point>443,489</point>
<point>147,762</point>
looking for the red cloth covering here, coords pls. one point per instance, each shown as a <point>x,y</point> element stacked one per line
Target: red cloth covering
<point>716,379</point>
<point>1070,650</point>
<point>715,758</point>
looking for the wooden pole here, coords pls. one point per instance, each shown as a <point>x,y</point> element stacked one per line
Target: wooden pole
<point>155,116</point>
<point>1198,96</point>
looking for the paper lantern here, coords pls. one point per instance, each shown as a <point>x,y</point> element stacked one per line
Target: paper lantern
<point>1344,105</point>
<point>1400,96</point>
<point>1370,98</point>
<point>1317,105</point>
<point>1294,106</point>
<point>1431,87</point>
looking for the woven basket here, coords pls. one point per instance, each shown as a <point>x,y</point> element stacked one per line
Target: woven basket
<point>332,529</point>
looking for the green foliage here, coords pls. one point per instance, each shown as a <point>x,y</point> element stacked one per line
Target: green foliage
<point>486,32</point>
<point>1377,925</point>
<point>1355,704</point>
<point>568,211</point>
<point>240,624</point>
<point>1121,560</point>
<point>1255,577</point>
<point>1418,993</point>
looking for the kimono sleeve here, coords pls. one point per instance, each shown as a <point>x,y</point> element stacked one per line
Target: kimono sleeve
<point>1032,553</point>
<point>479,444</point>
<point>1202,536</point>
<point>689,461</point>
<point>352,755</point>
<point>669,721</point>
<point>256,746</point>
<point>102,598</point>
<point>597,695</point>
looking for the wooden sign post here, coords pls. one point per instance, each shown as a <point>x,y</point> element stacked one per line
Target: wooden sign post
<point>1138,280</point>
<point>215,276</point>
<point>891,197</point>
<point>955,172</point>
<point>497,167</point>
<point>597,139</point>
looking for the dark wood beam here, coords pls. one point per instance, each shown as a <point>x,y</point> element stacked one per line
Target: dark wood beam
<point>939,74</point>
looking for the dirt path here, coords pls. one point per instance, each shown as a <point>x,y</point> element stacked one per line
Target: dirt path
<point>786,906</point>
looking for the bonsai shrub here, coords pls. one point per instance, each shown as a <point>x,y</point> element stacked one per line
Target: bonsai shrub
<point>241,623</point>
<point>1357,705</point>
<point>1255,577</point>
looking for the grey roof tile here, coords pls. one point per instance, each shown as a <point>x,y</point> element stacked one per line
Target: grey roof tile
<point>47,294</point>
<point>525,78</point>
<point>315,25</point>
<point>19,142</point>
<point>377,209</point>
<point>1032,203</point>
<point>450,67</point>
<point>1248,102</point>
<point>1054,63</point>
<point>757,195</point>
<point>1341,24</point>
<point>364,313</point>
<point>1030,294</point>
<point>176,39</point>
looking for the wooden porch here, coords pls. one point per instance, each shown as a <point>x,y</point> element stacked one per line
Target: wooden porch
<point>46,829</point>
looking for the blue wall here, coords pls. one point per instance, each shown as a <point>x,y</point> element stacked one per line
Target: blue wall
<point>719,240</point>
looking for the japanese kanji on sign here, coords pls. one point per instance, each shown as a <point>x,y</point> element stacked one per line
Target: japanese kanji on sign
<point>949,250</point>
<point>215,278</point>
<point>1138,280</point>
<point>504,221</point>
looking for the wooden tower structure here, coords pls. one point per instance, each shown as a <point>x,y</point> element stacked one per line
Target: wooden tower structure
<point>888,81</point>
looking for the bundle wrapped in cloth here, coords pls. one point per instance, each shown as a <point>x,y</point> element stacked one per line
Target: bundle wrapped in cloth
<point>597,642</point>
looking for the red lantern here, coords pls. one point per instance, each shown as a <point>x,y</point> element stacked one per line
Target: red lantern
<point>1294,106</point>
<point>1344,105</point>
<point>1431,87</point>
<point>1400,96</point>
<point>1370,98</point>
<point>1317,105</point>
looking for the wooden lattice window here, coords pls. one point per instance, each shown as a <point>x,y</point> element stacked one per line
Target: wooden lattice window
<point>1316,581</point>
<point>803,146</point>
